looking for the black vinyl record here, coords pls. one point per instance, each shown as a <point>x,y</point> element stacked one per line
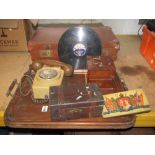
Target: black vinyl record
<point>76,43</point>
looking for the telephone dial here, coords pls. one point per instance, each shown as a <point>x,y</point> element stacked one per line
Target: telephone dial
<point>48,73</point>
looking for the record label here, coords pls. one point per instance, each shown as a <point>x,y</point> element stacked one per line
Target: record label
<point>79,49</point>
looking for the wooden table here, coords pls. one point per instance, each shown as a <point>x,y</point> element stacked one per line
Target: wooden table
<point>23,113</point>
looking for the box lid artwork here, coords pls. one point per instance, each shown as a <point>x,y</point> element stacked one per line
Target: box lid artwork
<point>125,103</point>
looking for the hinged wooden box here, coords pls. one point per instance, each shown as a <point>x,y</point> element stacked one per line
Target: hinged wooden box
<point>76,101</point>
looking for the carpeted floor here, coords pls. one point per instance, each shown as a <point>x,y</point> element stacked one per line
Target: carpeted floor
<point>132,67</point>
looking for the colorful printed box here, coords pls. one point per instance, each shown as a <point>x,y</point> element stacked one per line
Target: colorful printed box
<point>124,103</point>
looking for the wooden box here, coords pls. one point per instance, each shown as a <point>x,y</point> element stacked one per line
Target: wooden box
<point>102,71</point>
<point>79,100</point>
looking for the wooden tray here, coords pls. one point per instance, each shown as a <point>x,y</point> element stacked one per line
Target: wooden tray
<point>22,112</point>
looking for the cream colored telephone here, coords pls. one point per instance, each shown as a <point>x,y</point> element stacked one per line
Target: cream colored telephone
<point>48,73</point>
<point>44,78</point>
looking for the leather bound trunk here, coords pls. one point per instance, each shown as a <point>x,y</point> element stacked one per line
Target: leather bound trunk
<point>44,43</point>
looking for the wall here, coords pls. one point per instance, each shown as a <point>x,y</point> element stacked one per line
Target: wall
<point>119,26</point>
<point>123,26</point>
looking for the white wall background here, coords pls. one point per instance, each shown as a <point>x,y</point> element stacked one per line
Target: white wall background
<point>119,26</point>
<point>123,26</point>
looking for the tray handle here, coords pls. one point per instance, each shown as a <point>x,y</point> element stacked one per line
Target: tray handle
<point>11,87</point>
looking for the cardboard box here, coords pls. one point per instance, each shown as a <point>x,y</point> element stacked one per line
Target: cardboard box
<point>14,34</point>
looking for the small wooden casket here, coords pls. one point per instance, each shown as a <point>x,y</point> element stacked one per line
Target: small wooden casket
<point>76,101</point>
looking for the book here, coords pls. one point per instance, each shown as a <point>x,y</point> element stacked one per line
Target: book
<point>125,103</point>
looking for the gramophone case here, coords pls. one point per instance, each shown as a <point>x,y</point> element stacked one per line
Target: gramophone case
<point>44,43</point>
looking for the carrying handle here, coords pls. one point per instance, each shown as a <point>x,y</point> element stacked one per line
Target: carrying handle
<point>12,85</point>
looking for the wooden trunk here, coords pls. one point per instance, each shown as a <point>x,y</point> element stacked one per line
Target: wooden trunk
<point>44,43</point>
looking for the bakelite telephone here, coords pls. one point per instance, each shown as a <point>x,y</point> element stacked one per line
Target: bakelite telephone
<point>48,73</point>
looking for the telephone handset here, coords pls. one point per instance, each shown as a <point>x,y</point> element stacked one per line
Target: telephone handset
<point>68,69</point>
